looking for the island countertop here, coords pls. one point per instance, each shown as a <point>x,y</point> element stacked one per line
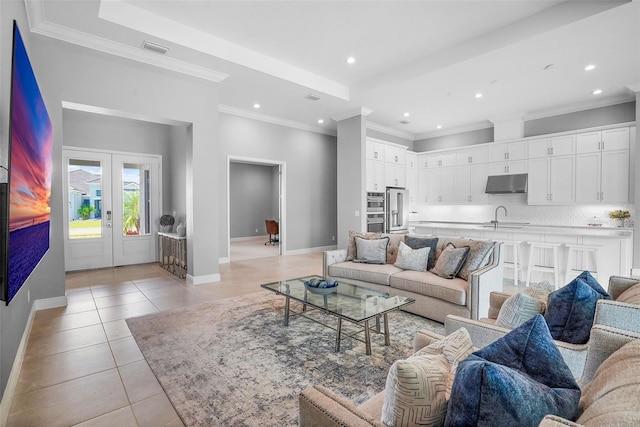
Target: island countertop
<point>528,228</point>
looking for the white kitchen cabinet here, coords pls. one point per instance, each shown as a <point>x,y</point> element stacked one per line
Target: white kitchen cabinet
<point>606,140</point>
<point>375,150</point>
<point>375,175</point>
<point>394,155</point>
<point>437,160</point>
<point>412,184</point>
<point>551,180</point>
<point>471,155</point>
<point>436,185</point>
<point>602,166</point>
<point>470,183</point>
<point>508,151</point>
<point>555,146</point>
<point>394,175</point>
<point>508,167</point>
<point>411,160</point>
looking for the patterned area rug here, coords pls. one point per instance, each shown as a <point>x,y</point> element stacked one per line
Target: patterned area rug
<point>233,363</point>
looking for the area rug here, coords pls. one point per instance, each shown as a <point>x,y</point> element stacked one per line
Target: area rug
<point>233,363</point>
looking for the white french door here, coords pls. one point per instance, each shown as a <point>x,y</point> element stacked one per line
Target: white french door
<point>112,202</point>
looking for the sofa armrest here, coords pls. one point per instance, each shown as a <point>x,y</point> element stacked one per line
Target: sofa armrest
<point>320,407</point>
<point>332,257</point>
<point>496,299</point>
<point>555,421</point>
<point>619,284</point>
<point>482,334</point>
<point>423,338</point>
<point>619,315</point>
<point>484,281</point>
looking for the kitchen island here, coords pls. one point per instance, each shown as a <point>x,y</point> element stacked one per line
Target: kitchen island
<point>615,256</point>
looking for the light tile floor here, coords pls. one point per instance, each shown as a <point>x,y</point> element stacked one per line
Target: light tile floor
<point>82,367</point>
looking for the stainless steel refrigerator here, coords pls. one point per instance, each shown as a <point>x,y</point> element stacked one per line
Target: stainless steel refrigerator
<point>397,209</point>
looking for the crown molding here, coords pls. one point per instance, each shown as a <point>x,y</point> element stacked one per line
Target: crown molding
<point>39,25</point>
<point>451,131</point>
<point>390,131</point>
<point>122,114</point>
<point>567,109</point>
<point>635,87</point>
<point>227,109</point>
<point>360,111</point>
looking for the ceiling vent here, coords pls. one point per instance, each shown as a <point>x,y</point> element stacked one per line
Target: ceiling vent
<point>405,122</point>
<point>155,47</point>
<point>314,97</point>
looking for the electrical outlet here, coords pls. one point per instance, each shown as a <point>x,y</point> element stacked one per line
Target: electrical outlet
<point>333,237</point>
<point>256,230</point>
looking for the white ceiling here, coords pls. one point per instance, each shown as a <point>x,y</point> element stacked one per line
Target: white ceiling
<point>428,58</point>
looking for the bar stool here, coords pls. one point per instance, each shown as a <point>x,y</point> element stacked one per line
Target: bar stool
<point>515,264</point>
<point>584,252</point>
<point>534,247</point>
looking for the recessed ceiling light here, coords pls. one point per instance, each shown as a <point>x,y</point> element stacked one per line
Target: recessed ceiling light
<point>320,121</point>
<point>439,127</point>
<point>256,105</point>
<point>479,95</point>
<point>590,67</point>
<point>351,60</point>
<point>597,92</point>
<point>406,114</point>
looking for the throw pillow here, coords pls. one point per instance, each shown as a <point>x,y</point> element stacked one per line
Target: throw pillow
<point>351,247</point>
<point>450,261</point>
<point>520,307</point>
<point>371,251</point>
<point>631,295</point>
<point>415,242</point>
<point>515,381</point>
<point>412,259</point>
<point>478,251</point>
<point>418,388</point>
<point>571,309</point>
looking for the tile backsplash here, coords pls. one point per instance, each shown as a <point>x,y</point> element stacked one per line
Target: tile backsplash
<point>518,210</point>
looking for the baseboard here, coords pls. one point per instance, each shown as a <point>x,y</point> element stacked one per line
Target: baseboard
<point>635,271</point>
<point>200,280</point>
<point>240,239</point>
<point>224,260</point>
<point>12,382</point>
<point>311,250</point>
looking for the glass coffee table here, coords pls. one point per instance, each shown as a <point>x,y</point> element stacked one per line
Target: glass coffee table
<point>353,303</point>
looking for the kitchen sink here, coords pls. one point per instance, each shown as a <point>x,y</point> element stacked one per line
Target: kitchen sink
<point>505,224</point>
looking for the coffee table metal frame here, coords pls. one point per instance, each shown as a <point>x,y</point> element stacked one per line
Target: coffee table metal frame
<point>364,305</point>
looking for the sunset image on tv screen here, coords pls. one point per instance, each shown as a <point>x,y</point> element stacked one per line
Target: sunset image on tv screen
<point>29,171</point>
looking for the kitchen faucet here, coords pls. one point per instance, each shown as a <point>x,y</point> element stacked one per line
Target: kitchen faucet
<point>495,218</point>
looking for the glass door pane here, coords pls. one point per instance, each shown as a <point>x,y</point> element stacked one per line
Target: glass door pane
<point>85,199</point>
<point>135,199</point>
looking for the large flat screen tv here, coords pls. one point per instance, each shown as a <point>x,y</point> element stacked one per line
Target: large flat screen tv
<point>26,205</point>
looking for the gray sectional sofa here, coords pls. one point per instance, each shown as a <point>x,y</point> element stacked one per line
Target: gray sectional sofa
<point>435,296</point>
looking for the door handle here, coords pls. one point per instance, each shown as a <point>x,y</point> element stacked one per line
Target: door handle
<point>108,215</point>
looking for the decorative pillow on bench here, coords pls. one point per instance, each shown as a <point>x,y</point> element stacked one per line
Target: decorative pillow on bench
<point>515,381</point>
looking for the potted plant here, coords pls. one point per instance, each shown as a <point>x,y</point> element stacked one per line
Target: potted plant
<point>620,215</point>
<point>166,223</point>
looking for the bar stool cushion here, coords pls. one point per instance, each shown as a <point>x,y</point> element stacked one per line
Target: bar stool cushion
<point>571,309</point>
<point>515,381</point>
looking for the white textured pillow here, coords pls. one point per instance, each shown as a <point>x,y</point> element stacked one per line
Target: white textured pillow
<point>412,259</point>
<point>520,307</point>
<point>418,388</point>
<point>373,251</point>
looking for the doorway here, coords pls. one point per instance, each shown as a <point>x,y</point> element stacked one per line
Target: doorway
<point>112,201</point>
<point>255,193</point>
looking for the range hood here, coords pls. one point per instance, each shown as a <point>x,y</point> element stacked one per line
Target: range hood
<point>505,184</point>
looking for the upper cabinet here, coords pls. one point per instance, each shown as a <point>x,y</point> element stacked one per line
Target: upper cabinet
<point>508,151</point>
<point>471,155</point>
<point>394,155</point>
<point>548,147</point>
<point>375,150</point>
<point>438,160</point>
<point>411,160</point>
<point>605,140</point>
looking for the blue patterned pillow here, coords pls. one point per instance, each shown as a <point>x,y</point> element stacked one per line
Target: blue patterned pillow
<point>571,309</point>
<point>515,381</point>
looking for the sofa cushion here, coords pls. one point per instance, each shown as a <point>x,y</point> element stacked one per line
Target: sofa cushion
<point>371,251</point>
<point>412,259</point>
<point>478,251</point>
<point>631,295</point>
<point>450,261</point>
<point>520,307</point>
<point>429,284</point>
<point>417,242</point>
<point>515,381</point>
<point>351,247</point>
<point>418,388</point>
<point>613,395</point>
<point>372,273</point>
<point>571,309</point>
